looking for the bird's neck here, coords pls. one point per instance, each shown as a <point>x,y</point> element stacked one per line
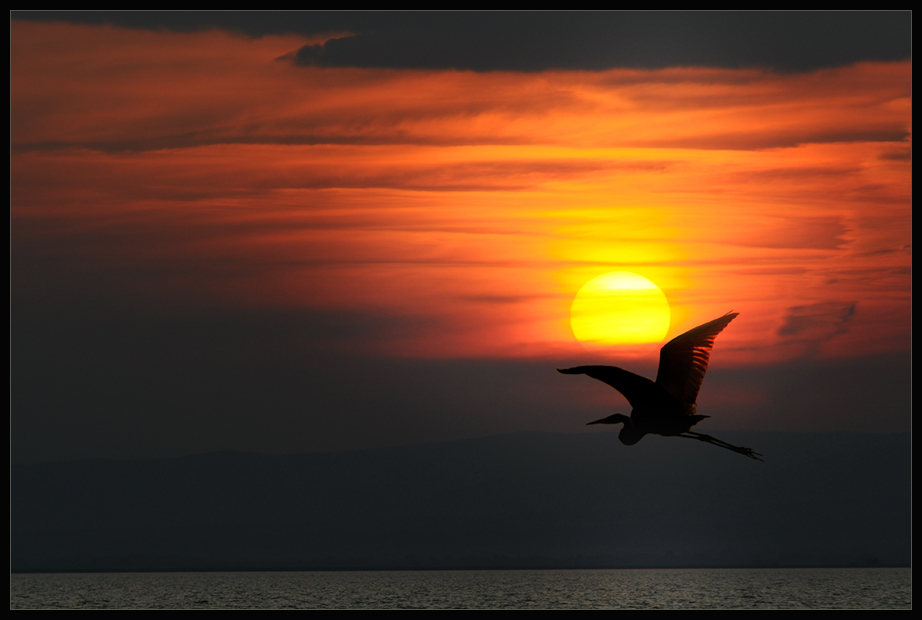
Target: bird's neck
<point>629,434</point>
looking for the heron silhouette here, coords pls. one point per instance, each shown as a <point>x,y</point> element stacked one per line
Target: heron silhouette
<point>667,406</point>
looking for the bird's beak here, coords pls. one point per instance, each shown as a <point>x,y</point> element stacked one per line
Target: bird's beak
<point>612,419</point>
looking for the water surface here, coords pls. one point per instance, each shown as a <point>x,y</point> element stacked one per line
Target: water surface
<point>822,588</point>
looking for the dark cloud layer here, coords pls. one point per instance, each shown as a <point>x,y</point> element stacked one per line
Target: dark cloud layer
<point>103,382</point>
<point>535,41</point>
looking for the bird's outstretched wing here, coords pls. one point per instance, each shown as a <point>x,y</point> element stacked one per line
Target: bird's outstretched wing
<point>639,391</point>
<point>684,359</point>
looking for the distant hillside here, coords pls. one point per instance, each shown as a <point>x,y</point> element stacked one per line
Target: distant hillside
<point>523,500</point>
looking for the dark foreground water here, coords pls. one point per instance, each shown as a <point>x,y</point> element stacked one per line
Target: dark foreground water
<point>822,588</point>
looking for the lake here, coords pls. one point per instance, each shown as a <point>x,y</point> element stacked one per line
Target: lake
<point>761,588</point>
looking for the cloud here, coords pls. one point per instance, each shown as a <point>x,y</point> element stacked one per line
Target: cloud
<point>814,324</point>
<point>798,233</point>
<point>788,41</point>
<point>123,91</point>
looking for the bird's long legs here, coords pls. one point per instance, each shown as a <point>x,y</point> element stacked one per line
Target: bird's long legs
<point>723,444</point>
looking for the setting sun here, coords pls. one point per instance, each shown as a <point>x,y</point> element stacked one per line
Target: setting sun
<point>619,307</point>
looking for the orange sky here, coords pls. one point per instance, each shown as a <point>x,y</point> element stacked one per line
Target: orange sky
<point>206,168</point>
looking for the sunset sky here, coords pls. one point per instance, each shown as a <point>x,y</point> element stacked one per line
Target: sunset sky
<point>317,232</point>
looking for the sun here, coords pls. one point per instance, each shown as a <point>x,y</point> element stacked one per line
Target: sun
<point>619,308</point>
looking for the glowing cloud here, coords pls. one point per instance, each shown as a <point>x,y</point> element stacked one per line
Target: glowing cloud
<point>468,208</point>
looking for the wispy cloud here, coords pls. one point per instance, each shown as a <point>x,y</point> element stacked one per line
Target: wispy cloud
<point>202,165</point>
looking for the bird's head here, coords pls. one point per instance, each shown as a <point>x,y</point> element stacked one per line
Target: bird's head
<point>628,435</point>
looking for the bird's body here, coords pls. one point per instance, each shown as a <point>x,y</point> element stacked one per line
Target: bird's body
<point>667,406</point>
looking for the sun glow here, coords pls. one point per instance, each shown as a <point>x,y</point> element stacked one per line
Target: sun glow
<point>619,308</point>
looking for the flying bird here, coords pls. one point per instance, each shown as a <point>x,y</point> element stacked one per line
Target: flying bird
<point>667,406</point>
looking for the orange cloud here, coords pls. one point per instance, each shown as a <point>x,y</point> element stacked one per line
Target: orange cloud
<point>207,166</point>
